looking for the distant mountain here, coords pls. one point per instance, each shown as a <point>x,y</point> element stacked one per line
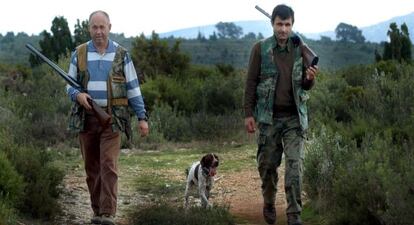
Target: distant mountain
<point>377,32</point>
<point>255,26</point>
<point>373,33</point>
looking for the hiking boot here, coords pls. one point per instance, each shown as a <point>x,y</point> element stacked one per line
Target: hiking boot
<point>294,219</point>
<point>96,219</point>
<point>269,213</point>
<point>108,219</point>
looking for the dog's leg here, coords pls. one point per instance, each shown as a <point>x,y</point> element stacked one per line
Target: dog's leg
<point>186,193</point>
<point>202,189</point>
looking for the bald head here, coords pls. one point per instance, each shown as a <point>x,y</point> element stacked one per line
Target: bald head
<point>102,13</point>
<point>99,28</point>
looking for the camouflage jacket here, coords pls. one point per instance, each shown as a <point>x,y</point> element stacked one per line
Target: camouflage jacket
<point>265,91</point>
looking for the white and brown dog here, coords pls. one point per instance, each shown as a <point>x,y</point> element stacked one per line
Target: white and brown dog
<point>202,174</point>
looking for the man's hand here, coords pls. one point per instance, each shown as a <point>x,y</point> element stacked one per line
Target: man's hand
<point>143,128</point>
<point>82,98</point>
<point>250,124</point>
<point>311,72</point>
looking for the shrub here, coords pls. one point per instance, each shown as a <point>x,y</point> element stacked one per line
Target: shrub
<point>164,214</point>
<point>173,125</point>
<point>42,178</point>
<point>358,167</point>
<point>7,214</point>
<point>11,183</point>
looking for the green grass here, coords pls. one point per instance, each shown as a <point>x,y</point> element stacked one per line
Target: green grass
<point>159,185</point>
<point>310,216</point>
<point>165,214</point>
<point>161,175</point>
<point>231,158</point>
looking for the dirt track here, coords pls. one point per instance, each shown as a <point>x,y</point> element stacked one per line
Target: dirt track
<point>242,191</point>
<point>238,190</point>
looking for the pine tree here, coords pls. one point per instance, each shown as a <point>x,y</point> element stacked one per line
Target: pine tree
<point>405,43</point>
<point>81,32</point>
<point>399,47</point>
<point>56,44</point>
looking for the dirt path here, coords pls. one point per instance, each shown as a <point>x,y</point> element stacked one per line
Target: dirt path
<point>75,200</point>
<point>242,192</point>
<point>239,190</point>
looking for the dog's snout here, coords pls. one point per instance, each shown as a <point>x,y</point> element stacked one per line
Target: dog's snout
<point>213,171</point>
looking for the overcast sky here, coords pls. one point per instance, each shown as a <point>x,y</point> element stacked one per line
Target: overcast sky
<point>133,17</point>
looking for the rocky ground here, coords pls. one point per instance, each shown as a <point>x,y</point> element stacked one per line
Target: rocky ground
<point>239,190</point>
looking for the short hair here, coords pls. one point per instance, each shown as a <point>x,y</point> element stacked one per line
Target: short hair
<point>284,12</point>
<point>99,11</point>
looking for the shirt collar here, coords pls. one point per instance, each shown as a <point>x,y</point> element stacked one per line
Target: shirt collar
<point>111,47</point>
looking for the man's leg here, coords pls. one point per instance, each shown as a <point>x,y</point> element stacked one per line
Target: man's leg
<point>293,140</point>
<point>268,158</point>
<point>110,149</point>
<point>89,144</point>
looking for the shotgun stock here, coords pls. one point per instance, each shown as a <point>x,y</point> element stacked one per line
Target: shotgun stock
<point>100,113</point>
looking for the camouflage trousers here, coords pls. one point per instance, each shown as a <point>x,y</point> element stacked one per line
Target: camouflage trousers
<point>283,136</point>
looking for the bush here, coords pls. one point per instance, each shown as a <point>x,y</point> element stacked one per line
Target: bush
<point>220,95</point>
<point>42,178</point>
<point>358,167</point>
<point>7,214</point>
<point>164,214</point>
<point>11,183</point>
<point>357,185</point>
<point>176,126</point>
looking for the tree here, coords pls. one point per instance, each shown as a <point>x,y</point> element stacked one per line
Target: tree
<point>213,37</point>
<point>348,33</point>
<point>395,41</point>
<point>154,57</point>
<point>326,39</point>
<point>8,38</point>
<point>7,42</point>
<point>250,36</point>
<point>405,43</point>
<point>399,47</point>
<point>46,46</point>
<point>229,30</point>
<point>200,37</point>
<point>81,32</point>
<point>62,38</point>
<point>58,43</point>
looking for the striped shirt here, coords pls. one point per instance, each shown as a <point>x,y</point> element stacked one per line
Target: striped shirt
<point>99,67</point>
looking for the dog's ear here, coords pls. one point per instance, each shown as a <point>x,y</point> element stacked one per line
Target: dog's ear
<point>217,161</point>
<point>204,161</point>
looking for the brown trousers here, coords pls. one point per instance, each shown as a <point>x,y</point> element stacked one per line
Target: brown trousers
<point>100,151</point>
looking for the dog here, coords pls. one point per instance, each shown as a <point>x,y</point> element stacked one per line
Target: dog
<point>202,174</point>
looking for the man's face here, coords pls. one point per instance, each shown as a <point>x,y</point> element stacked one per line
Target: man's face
<point>99,28</point>
<point>282,28</point>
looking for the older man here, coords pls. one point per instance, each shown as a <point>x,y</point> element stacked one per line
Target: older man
<point>106,71</point>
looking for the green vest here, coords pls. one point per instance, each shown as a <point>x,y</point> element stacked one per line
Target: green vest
<point>269,73</point>
<point>116,89</point>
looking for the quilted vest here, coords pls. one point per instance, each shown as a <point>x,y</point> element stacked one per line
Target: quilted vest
<point>269,73</point>
<point>117,93</point>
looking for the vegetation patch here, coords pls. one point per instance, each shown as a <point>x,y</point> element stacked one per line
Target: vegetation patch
<point>165,214</point>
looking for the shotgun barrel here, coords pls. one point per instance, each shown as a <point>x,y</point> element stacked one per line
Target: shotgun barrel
<point>100,113</point>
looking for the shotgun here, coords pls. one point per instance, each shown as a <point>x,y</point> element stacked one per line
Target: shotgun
<point>100,113</point>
